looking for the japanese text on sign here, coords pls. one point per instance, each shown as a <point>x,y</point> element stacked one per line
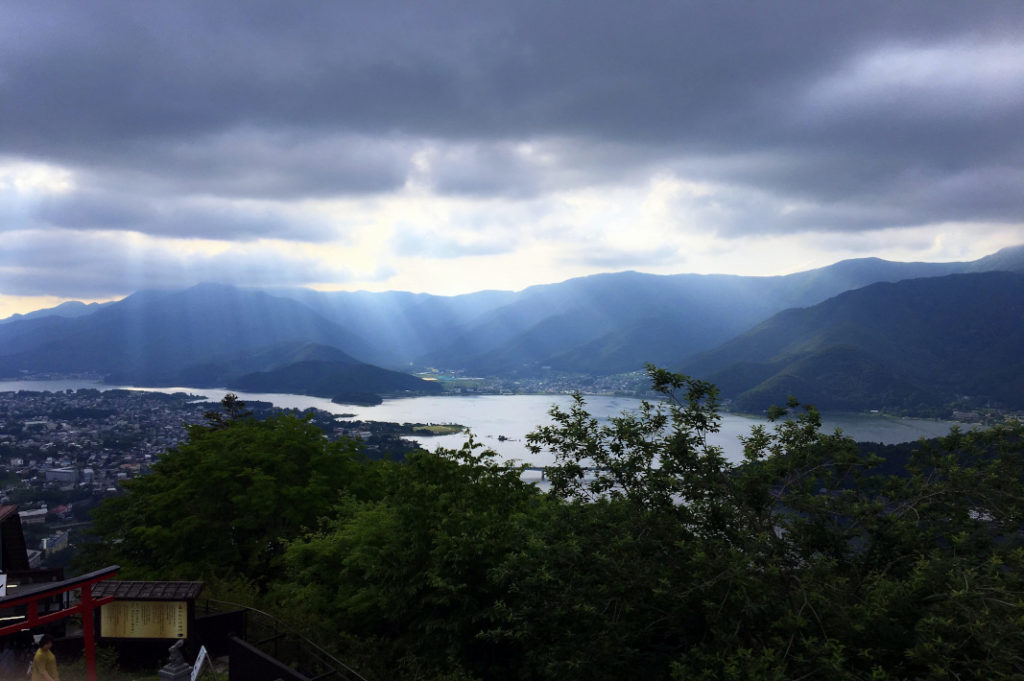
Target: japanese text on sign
<point>144,619</point>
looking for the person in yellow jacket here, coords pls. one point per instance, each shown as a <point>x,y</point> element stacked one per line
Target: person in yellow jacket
<point>44,664</point>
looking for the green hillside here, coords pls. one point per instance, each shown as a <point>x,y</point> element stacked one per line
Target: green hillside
<point>920,345</point>
<point>334,380</point>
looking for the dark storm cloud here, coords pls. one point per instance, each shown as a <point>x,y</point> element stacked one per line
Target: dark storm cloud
<point>530,168</point>
<point>280,99</point>
<point>78,265</point>
<point>259,164</point>
<point>202,218</point>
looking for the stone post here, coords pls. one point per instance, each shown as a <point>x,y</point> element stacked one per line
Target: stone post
<point>176,668</point>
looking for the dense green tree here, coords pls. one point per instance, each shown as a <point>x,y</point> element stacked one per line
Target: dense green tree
<point>803,561</point>
<point>650,557</point>
<point>231,408</point>
<point>223,502</point>
<point>409,575</point>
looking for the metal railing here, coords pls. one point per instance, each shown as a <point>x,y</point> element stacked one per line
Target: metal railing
<point>273,637</point>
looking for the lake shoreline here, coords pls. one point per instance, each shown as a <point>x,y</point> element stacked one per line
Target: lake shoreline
<point>501,422</point>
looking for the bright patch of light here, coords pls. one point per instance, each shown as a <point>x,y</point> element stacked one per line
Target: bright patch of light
<point>536,154</point>
<point>21,304</point>
<point>22,177</point>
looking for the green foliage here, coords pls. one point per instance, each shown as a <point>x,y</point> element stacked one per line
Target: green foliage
<point>223,502</point>
<point>231,408</point>
<point>801,562</point>
<point>652,458</point>
<point>411,571</point>
<point>651,556</point>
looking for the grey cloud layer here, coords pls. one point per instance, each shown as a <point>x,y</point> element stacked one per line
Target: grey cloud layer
<point>132,70</point>
<point>867,114</point>
<point>184,218</point>
<point>79,265</point>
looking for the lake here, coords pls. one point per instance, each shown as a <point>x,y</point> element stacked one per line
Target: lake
<point>513,416</point>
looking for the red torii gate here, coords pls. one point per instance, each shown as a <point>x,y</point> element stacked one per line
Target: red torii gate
<point>30,595</point>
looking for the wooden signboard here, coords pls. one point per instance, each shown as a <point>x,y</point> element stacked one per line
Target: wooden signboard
<point>148,610</point>
<point>145,619</point>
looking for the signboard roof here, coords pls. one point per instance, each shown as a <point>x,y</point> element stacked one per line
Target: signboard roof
<point>149,591</point>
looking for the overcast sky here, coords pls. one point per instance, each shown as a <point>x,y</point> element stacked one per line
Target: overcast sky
<point>448,147</point>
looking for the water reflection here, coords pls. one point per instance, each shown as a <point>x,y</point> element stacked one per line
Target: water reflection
<point>501,422</point>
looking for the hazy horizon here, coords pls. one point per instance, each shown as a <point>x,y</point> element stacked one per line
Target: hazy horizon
<point>271,289</point>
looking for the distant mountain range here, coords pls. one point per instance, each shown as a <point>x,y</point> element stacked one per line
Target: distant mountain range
<point>917,345</point>
<point>206,336</point>
<point>72,308</point>
<point>747,333</point>
<point>601,324</point>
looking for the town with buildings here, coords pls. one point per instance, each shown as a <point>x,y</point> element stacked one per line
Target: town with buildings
<point>63,452</point>
<point>547,382</point>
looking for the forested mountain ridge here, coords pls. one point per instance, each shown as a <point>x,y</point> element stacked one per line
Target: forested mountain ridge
<point>154,332</point>
<point>346,382</point>
<point>606,323</point>
<point>600,324</point>
<point>403,326</point>
<point>596,325</point>
<point>206,336</point>
<point>303,369</point>
<point>917,344</point>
